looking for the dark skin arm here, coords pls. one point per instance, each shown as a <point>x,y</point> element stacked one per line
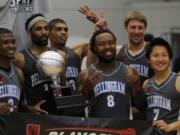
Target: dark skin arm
<point>19,62</point>
<point>135,83</point>
<point>86,80</point>
<point>91,15</point>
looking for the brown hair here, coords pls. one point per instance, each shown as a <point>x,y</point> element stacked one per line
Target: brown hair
<point>135,15</point>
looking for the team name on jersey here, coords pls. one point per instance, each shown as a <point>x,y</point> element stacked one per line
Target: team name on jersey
<point>71,72</point>
<point>159,101</point>
<point>109,86</point>
<point>9,90</point>
<point>37,79</point>
<point>141,69</point>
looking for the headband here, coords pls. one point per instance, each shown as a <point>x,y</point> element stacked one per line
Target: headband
<point>35,20</point>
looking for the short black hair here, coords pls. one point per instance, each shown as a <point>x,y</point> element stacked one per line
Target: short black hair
<point>148,37</point>
<point>54,21</point>
<point>31,18</point>
<point>95,34</point>
<point>158,41</point>
<point>4,30</point>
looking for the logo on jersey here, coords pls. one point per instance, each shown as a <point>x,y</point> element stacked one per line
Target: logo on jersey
<point>37,79</point>
<point>21,6</point>
<point>71,72</point>
<point>32,129</point>
<point>9,91</point>
<point>142,70</point>
<point>159,101</point>
<point>109,86</point>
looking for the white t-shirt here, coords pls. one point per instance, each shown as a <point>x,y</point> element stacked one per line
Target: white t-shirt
<point>13,15</point>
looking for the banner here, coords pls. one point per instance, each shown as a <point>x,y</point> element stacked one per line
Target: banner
<point>29,124</point>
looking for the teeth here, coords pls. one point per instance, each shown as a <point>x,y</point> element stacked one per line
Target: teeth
<point>108,53</point>
<point>11,51</point>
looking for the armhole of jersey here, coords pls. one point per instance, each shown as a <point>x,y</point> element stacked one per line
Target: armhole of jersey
<point>118,48</point>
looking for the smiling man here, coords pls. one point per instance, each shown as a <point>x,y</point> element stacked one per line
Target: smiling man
<point>105,83</point>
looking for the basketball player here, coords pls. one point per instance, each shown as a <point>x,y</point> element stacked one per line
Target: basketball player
<point>132,53</point>
<point>58,37</point>
<point>38,86</point>
<point>163,89</point>
<point>11,77</point>
<point>106,82</point>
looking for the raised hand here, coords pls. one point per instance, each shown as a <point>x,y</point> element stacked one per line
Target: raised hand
<point>89,13</point>
<point>101,23</point>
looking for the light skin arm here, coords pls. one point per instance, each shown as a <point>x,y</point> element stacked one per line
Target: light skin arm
<point>168,127</point>
<point>162,125</point>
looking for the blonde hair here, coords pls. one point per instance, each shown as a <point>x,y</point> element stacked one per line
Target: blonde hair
<point>135,15</point>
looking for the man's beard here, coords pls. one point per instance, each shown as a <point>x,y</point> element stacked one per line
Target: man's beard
<point>105,60</point>
<point>41,41</point>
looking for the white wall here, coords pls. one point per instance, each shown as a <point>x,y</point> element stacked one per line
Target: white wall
<point>161,15</point>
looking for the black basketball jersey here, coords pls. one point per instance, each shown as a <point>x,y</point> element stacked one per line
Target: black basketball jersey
<point>38,87</point>
<point>111,96</point>
<point>163,101</point>
<point>73,68</point>
<point>10,88</point>
<point>138,62</point>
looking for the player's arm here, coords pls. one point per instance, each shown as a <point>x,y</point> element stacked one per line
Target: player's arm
<point>24,107</point>
<point>19,61</point>
<point>163,125</point>
<point>138,93</point>
<point>81,80</point>
<point>91,15</point>
<point>178,84</point>
<point>81,50</point>
<point>63,74</point>
<point>167,127</point>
